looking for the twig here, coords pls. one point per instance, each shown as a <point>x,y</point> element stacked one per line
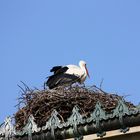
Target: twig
<point>101,83</point>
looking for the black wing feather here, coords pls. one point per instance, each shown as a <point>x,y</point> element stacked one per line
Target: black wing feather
<point>59,69</point>
<point>55,68</point>
<point>61,80</point>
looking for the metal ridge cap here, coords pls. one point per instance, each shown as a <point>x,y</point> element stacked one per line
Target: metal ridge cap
<point>112,133</point>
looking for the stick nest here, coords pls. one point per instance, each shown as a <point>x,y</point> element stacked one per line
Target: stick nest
<point>41,103</point>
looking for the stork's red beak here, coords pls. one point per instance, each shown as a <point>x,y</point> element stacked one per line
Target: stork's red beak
<point>87,71</point>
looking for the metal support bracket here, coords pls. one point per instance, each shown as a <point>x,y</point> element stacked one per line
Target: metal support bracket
<point>75,120</point>
<point>96,117</point>
<point>120,111</point>
<point>53,123</point>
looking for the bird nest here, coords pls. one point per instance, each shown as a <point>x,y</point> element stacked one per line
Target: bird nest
<point>41,103</point>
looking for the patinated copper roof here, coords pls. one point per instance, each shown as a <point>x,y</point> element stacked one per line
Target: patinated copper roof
<point>72,112</point>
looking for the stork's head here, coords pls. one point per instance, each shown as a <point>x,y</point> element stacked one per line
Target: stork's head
<point>82,64</point>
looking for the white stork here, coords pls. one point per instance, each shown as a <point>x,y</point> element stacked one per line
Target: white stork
<point>67,75</point>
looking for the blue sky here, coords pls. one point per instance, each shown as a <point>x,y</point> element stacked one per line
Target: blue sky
<point>38,34</point>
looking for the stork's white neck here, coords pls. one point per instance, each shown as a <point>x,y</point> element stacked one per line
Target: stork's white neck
<point>82,66</point>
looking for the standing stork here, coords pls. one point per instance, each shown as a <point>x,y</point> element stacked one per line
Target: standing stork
<point>67,75</point>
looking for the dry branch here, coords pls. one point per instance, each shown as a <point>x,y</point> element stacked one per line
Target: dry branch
<point>41,103</point>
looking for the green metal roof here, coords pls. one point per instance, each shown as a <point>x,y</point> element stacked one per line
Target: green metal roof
<point>99,121</point>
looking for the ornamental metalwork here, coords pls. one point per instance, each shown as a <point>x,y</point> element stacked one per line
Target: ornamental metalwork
<point>75,120</point>
<point>76,124</point>
<point>53,123</point>
<point>120,111</point>
<point>96,117</point>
